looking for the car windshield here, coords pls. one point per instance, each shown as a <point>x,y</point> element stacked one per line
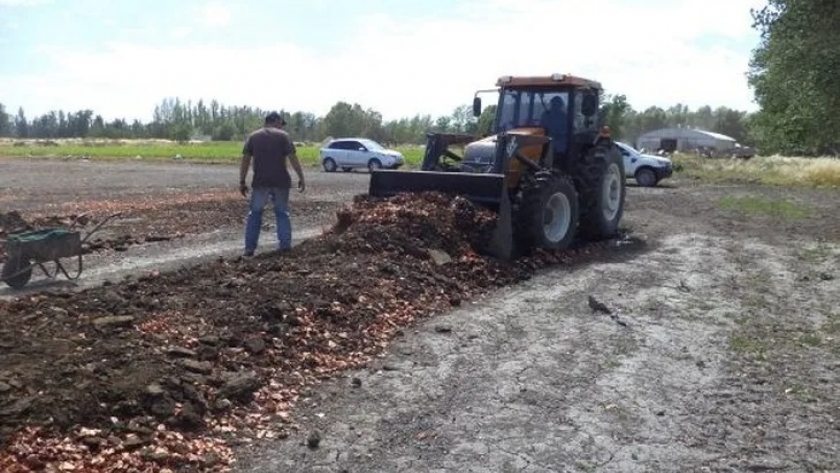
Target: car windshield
<point>372,145</point>
<point>527,107</point>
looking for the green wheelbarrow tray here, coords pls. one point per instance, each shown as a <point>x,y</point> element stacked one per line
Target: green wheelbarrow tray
<point>28,249</point>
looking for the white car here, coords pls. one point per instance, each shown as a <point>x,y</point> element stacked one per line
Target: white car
<point>354,153</point>
<point>648,170</point>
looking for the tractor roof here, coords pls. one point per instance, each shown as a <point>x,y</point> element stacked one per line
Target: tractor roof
<point>553,80</point>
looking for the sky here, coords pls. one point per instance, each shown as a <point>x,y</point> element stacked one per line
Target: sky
<point>120,58</point>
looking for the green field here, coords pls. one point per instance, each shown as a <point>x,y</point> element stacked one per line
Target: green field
<point>216,151</point>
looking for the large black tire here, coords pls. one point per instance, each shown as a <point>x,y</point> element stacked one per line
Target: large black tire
<point>546,212</point>
<point>603,187</point>
<point>16,272</point>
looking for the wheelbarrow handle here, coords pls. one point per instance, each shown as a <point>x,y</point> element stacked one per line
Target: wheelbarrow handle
<point>100,224</point>
<point>76,220</point>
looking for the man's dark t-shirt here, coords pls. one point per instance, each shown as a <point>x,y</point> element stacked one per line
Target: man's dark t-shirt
<point>270,148</point>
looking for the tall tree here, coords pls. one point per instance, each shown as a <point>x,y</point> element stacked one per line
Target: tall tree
<point>21,125</point>
<point>793,73</point>
<point>5,122</point>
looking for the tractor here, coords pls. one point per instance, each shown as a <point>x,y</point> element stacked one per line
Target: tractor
<point>549,168</point>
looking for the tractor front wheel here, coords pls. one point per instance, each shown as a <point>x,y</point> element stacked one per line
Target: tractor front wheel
<point>547,214</point>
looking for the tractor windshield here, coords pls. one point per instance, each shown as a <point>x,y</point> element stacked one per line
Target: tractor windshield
<point>530,107</point>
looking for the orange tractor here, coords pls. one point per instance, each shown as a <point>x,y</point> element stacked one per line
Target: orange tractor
<point>549,169</point>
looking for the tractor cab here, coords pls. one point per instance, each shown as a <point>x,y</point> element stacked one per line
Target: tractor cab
<point>561,107</point>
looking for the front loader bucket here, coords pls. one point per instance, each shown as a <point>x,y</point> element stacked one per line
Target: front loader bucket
<point>489,190</point>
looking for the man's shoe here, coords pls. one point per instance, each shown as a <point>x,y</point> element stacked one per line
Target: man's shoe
<point>248,254</point>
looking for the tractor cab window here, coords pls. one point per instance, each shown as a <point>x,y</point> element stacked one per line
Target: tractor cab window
<point>533,108</point>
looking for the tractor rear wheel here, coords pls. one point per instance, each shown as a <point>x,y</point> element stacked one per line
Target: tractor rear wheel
<point>603,189</point>
<point>547,212</point>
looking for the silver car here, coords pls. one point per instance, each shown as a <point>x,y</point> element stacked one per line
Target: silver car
<point>355,153</point>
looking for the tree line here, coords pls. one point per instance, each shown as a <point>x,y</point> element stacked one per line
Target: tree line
<point>179,120</point>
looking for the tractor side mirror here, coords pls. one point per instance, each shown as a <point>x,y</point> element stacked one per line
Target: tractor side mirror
<point>590,105</point>
<point>477,106</point>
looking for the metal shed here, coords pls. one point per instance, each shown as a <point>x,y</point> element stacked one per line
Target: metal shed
<point>683,139</point>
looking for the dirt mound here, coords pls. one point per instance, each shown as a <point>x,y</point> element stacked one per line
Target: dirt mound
<point>226,345</point>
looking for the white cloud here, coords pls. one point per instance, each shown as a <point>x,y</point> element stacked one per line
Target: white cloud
<point>426,65</point>
<point>215,15</point>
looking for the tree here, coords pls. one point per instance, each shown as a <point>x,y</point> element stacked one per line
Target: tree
<point>615,112</point>
<point>5,122</point>
<point>486,120</point>
<point>793,76</point>
<point>21,125</point>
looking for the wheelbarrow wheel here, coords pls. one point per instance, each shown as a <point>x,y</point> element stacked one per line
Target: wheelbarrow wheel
<point>16,272</point>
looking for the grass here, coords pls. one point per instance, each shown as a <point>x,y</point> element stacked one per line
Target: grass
<point>770,170</point>
<point>757,205</point>
<point>214,151</point>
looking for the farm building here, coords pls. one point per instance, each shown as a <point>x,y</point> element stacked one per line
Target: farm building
<point>683,139</point>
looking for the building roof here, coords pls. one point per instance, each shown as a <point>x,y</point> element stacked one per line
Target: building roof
<point>689,131</point>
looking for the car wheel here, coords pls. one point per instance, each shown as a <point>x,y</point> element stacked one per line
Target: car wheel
<point>645,177</point>
<point>329,165</point>
<point>374,164</point>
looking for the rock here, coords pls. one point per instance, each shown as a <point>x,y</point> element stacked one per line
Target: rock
<point>4,387</point>
<point>222,405</point>
<point>93,442</point>
<point>240,387</point>
<point>313,440</point>
<point>271,314</point>
<point>255,345</point>
<point>278,330</point>
<point>440,257</point>
<point>163,408</point>
<point>180,352</point>
<point>133,441</point>
<point>207,352</point>
<point>826,276</point>
<point>116,321</point>
<point>210,340</point>
<point>188,418</point>
<point>21,406</point>
<point>443,329</point>
<point>356,382</point>
<point>155,390</point>
<point>200,367</point>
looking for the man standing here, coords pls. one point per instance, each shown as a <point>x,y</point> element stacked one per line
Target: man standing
<point>269,147</point>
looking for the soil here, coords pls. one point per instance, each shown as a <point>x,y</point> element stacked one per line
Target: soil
<point>178,349</point>
<point>706,339</point>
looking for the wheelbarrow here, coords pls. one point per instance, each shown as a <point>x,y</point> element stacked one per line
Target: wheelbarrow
<point>26,250</point>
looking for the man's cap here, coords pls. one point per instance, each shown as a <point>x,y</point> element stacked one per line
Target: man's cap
<point>273,117</point>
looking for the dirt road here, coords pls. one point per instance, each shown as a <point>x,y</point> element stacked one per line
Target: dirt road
<point>723,356</point>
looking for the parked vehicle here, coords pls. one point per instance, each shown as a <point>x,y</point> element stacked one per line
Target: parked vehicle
<point>648,170</point>
<point>355,153</point>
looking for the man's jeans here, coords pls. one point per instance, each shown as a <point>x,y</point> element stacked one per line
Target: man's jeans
<point>280,201</point>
